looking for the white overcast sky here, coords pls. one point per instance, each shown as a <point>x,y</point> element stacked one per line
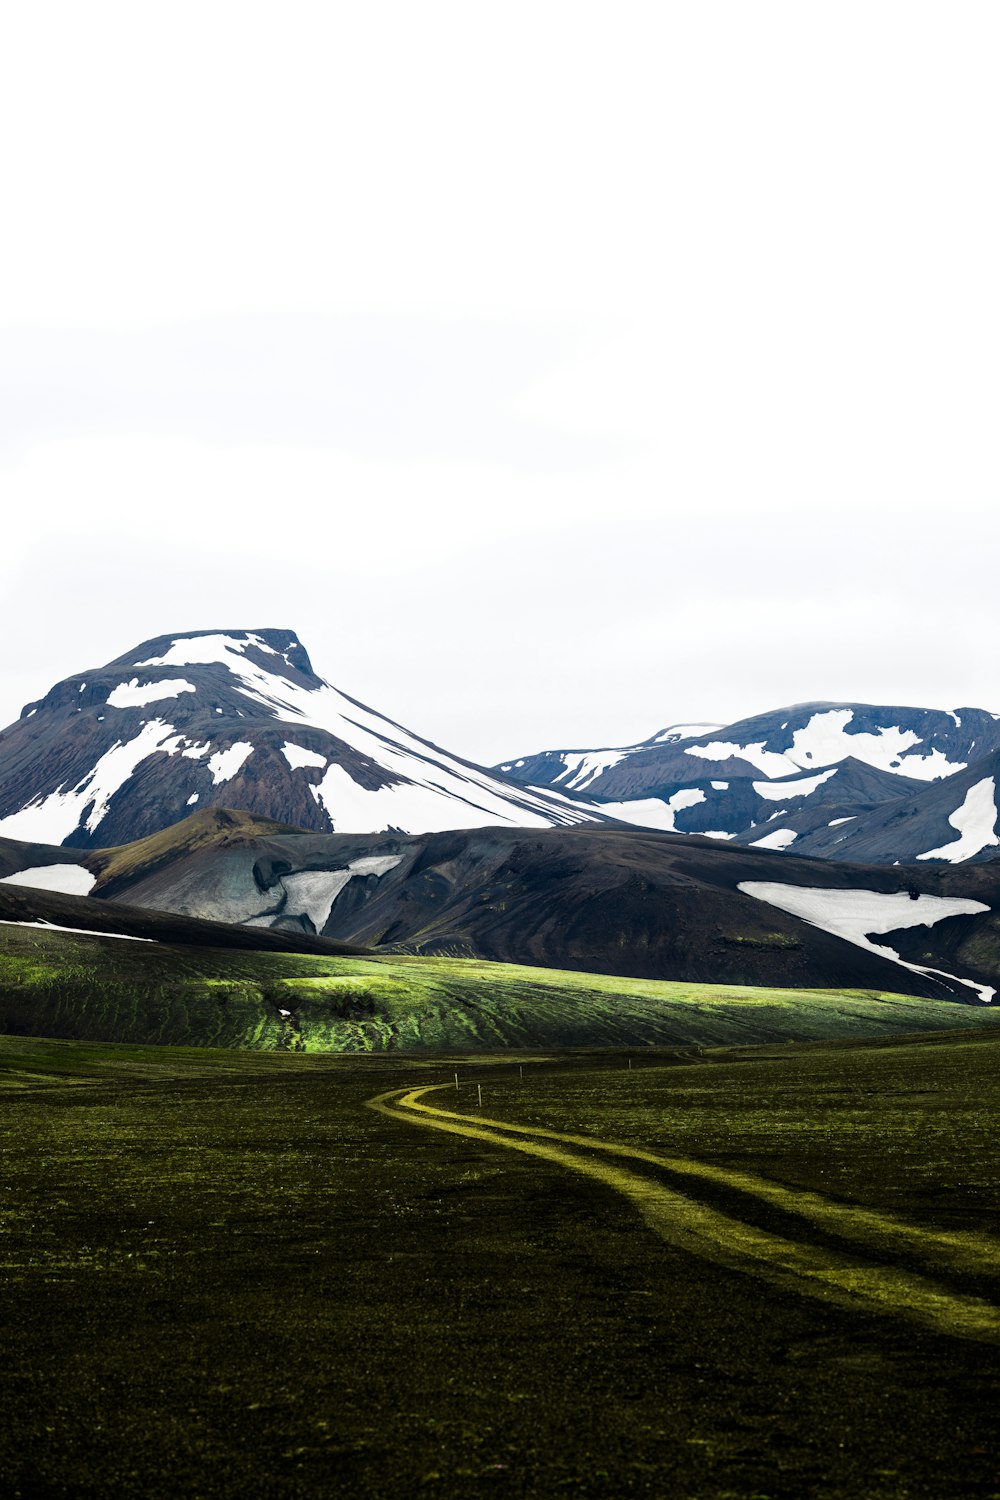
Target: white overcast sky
<point>557,370</point>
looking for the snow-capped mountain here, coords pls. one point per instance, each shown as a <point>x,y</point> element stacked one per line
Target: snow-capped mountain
<point>239,719</point>
<point>841,780</point>
<point>236,719</point>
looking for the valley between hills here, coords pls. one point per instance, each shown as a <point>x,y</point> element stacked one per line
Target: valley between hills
<point>609,1122</point>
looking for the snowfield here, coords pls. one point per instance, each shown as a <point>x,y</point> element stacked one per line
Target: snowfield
<point>313,892</point>
<point>781,838</point>
<point>777,791</point>
<point>297,757</point>
<point>224,764</point>
<point>131,695</point>
<point>69,880</point>
<point>654,812</point>
<point>824,741</point>
<point>975,821</point>
<point>853,915</point>
<point>124,937</point>
<point>585,766</point>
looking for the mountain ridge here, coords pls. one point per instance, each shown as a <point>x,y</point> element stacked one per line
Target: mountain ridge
<point>793,775</point>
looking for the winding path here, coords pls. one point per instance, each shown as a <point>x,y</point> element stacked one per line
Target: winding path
<point>830,1274</point>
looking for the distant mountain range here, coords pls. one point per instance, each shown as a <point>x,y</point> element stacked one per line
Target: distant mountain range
<point>843,781</point>
<point>239,719</point>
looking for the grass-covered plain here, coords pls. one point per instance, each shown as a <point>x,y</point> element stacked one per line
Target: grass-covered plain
<point>224,1276</point>
<point>108,989</point>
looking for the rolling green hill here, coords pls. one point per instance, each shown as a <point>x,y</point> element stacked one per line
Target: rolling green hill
<point>104,988</point>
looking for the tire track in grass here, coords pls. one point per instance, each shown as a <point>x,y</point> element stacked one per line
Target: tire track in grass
<point>951,1250</point>
<point>710,1234</point>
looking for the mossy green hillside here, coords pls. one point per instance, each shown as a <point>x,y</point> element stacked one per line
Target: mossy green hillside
<point>68,985</point>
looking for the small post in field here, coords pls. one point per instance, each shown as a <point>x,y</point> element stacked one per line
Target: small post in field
<point>630,1065</point>
<point>480,1088</point>
<point>520,1069</point>
<point>456,1083</point>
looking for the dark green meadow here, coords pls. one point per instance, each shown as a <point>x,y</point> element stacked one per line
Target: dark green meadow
<point>223,1275</point>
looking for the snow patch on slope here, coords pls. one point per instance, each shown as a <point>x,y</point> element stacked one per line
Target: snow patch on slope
<point>678,732</point>
<point>767,761</point>
<point>131,695</point>
<point>853,914</point>
<point>51,819</point>
<point>297,757</point>
<point>654,812</point>
<point>776,791</point>
<point>224,764</point>
<point>70,880</point>
<point>779,839</point>
<point>313,892</point>
<point>824,741</point>
<point>126,937</point>
<point>976,823</point>
<point>583,767</point>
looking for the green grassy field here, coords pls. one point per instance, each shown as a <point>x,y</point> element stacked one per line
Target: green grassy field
<point>104,989</point>
<point>224,1275</point>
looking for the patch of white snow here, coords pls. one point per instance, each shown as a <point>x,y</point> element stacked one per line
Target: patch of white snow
<point>976,823</point>
<point>767,761</point>
<point>312,893</point>
<point>776,791</point>
<point>131,695</point>
<point>584,766</point>
<point>779,839</point>
<point>654,812</point>
<point>224,764</point>
<point>52,818</point>
<point>824,741</point>
<point>853,914</point>
<point>297,757</point>
<point>677,732</point>
<point>126,937</point>
<point>70,880</point>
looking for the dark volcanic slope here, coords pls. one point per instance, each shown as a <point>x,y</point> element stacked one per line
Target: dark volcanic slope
<point>48,909</point>
<point>235,719</point>
<point>954,821</point>
<point>613,901</point>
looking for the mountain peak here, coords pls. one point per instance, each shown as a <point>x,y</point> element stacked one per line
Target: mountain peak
<point>218,647</point>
